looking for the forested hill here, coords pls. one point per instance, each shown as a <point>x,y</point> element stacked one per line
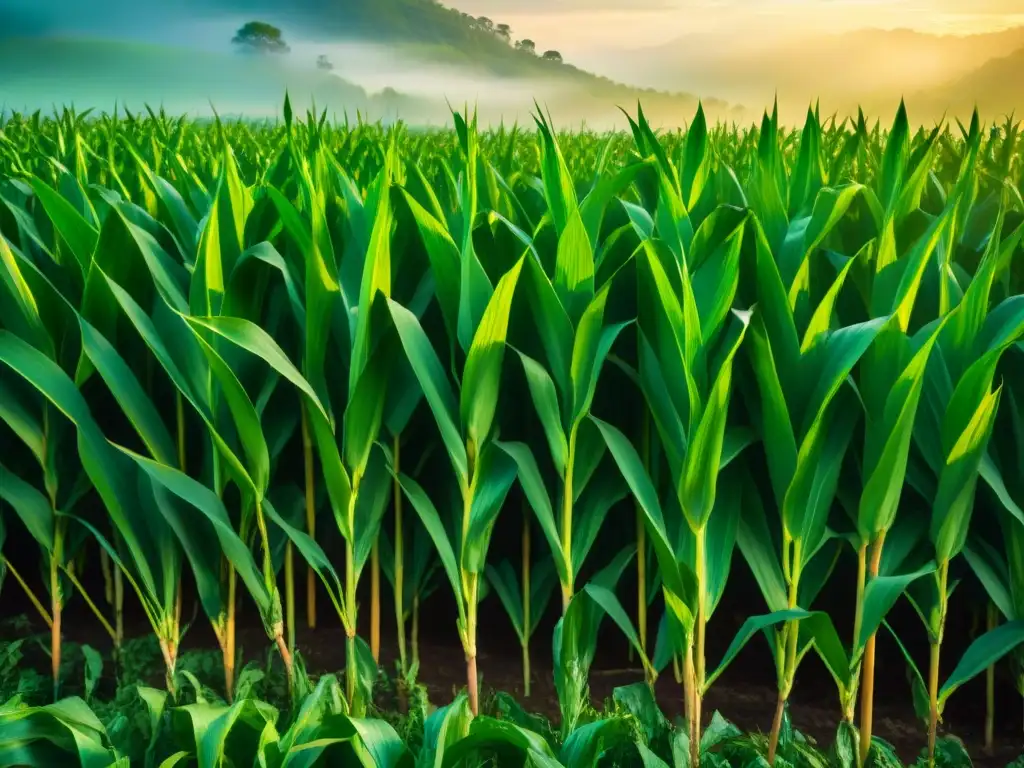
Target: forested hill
<point>462,57</point>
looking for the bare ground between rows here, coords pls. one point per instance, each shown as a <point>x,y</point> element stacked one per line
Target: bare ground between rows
<point>749,706</point>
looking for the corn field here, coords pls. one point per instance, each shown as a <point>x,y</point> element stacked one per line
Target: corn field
<point>255,366</point>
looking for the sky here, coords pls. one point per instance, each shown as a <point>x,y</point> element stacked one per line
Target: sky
<point>584,26</point>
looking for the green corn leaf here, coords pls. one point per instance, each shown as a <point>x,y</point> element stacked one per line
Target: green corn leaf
<point>558,187</point>
<point>205,501</point>
<point>704,454</point>
<point>376,277</point>
<point>255,340</point>
<point>751,627</point>
<point>104,466</point>
<point>608,188</point>
<point>590,513</point>
<point>382,744</point>
<point>506,740</point>
<point>81,237</point>
<point>819,630</point>
<point>432,522</point>
<point>821,320</point>
<point>206,291</point>
<point>314,556</point>
<point>545,401</point>
<point>537,495</point>
<point>897,284</point>
<point>365,411</point>
<point>810,495</point>
<point>672,220</point>
<point>125,387</point>
<point>755,542</point>
<point>669,422</point>
<point>590,450</point>
<point>640,485</point>
<point>986,563</point>
<point>211,726</point>
<point>842,350</point>
<point>31,506</point>
<point>880,595</point>
<point>721,534</point>
<point>66,731</point>
<point>605,598</point>
<point>436,389</point>
<point>648,758</point>
<point>954,499</point>
<point>506,585</point>
<point>806,234</point>
<point>983,653</point>
<point>444,728</point>
<point>246,420</point>
<point>444,262</point>
<point>554,327</point>
<point>586,745</point>
<point>777,430</point>
<point>481,379</point>
<point>574,267</point>
<point>715,259</point>
<point>886,465</point>
<point>22,296</point>
<point>495,474</point>
<point>593,343</point>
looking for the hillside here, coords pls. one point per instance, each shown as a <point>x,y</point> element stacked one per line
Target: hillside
<point>423,23</point>
<point>995,88</point>
<point>421,48</point>
<point>869,67</point>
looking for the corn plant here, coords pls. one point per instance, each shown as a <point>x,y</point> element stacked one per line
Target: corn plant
<point>574,643</point>
<point>695,346</point>
<point>569,311</point>
<point>953,439</point>
<point>417,581</point>
<point>524,598</point>
<point>800,371</point>
<point>482,471</point>
<point>154,554</point>
<point>995,549</point>
<point>403,398</point>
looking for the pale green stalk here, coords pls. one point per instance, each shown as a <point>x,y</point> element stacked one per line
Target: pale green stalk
<point>307,462</point>
<point>527,623</point>
<point>567,587</point>
<point>790,635</point>
<point>933,664</point>
<point>399,558</point>
<point>867,701</point>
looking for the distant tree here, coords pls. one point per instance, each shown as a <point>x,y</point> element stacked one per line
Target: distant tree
<point>552,56</point>
<point>322,62</point>
<point>260,37</point>
<point>527,46</point>
<point>504,31</point>
<point>485,24</point>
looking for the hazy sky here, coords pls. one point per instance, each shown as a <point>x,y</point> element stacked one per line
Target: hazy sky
<point>583,25</point>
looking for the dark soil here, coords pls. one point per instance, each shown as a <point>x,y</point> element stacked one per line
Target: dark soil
<point>744,694</point>
<point>750,706</point>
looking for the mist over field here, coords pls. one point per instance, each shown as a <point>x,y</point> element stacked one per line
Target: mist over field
<point>180,56</point>
<point>411,59</point>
